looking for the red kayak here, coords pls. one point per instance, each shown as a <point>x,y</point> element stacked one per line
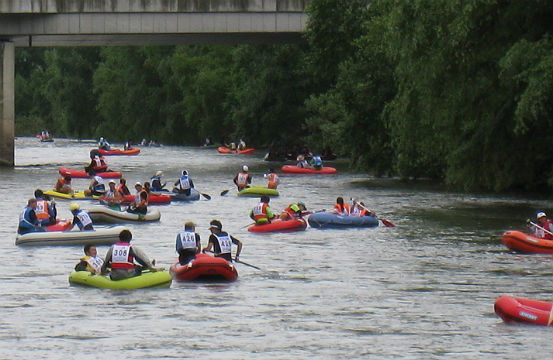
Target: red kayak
<point>226,150</point>
<point>292,169</point>
<point>513,309</point>
<point>521,242</point>
<point>204,267</point>
<point>152,199</point>
<point>83,174</point>
<point>60,225</point>
<point>280,225</point>
<point>111,152</point>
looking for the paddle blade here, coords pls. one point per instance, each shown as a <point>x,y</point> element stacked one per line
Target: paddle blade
<point>206,196</point>
<point>224,192</point>
<point>387,223</point>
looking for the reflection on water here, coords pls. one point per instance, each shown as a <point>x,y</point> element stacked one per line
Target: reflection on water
<point>424,289</point>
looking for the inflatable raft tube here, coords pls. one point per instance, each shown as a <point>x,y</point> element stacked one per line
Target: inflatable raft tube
<point>145,280</point>
<point>513,309</point>
<point>226,150</point>
<point>255,191</point>
<point>205,267</point>
<point>152,199</point>
<point>330,220</point>
<point>113,152</point>
<point>194,196</point>
<point>99,236</point>
<point>77,195</point>
<point>280,225</point>
<point>521,242</point>
<point>81,174</point>
<point>292,169</point>
<point>103,214</point>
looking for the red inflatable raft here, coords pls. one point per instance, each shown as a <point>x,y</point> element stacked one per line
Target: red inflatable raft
<point>83,174</point>
<point>293,169</point>
<point>204,267</point>
<point>60,225</point>
<point>111,152</point>
<point>280,225</point>
<point>226,150</point>
<point>152,199</point>
<point>513,309</point>
<point>519,241</point>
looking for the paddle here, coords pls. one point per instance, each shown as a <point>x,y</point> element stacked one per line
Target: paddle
<point>273,273</point>
<point>550,317</point>
<point>384,221</point>
<point>224,192</point>
<point>536,225</point>
<point>206,196</point>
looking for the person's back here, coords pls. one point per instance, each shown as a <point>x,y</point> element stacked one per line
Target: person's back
<point>45,212</point>
<point>317,162</point>
<point>243,179</point>
<point>28,222</point>
<point>185,184</point>
<point>80,218</point>
<point>121,257</point>
<point>188,243</point>
<point>273,179</point>
<point>341,208</point>
<point>262,213</point>
<point>63,185</point>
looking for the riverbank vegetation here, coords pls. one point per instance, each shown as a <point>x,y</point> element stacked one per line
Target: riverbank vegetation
<point>460,91</point>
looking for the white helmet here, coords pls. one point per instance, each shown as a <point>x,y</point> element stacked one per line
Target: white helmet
<point>245,168</point>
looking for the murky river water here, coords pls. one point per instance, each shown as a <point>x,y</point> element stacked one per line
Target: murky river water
<point>422,290</point>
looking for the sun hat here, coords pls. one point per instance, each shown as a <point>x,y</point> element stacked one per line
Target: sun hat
<point>540,214</point>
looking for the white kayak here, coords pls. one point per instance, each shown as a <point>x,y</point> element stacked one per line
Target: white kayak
<point>103,214</point>
<point>99,236</point>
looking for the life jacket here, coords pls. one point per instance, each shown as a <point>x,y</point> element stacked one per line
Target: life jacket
<point>225,243</point>
<point>317,161</point>
<point>184,183</point>
<point>293,210</point>
<point>260,213</point>
<point>541,233</point>
<point>242,179</point>
<point>303,164</point>
<point>121,189</point>
<point>358,211</point>
<point>155,182</point>
<point>342,210</point>
<point>83,219</point>
<point>121,257</point>
<point>42,210</point>
<point>187,240</point>
<point>99,164</point>
<point>25,218</point>
<point>273,181</point>
<point>94,262</point>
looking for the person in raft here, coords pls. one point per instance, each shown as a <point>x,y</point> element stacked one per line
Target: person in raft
<point>45,212</point>
<point>91,262</point>
<point>261,213</point>
<point>96,187</point>
<point>544,228</point>
<point>273,179</point>
<point>341,208</point>
<point>359,209</point>
<point>113,198</point>
<point>316,162</point>
<point>302,163</point>
<point>63,185</point>
<point>103,144</point>
<point>121,257</point>
<point>243,179</point>
<point>140,203</point>
<point>122,187</point>
<point>293,211</point>
<point>80,218</point>
<point>221,242</point>
<point>155,182</point>
<point>188,243</point>
<point>28,221</point>
<point>184,184</point>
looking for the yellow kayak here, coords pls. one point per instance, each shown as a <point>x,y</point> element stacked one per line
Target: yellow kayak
<point>77,195</point>
<point>147,279</point>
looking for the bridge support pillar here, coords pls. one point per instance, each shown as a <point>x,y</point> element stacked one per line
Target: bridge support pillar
<point>7,103</point>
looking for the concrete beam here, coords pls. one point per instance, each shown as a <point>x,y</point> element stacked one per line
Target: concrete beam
<point>7,103</point>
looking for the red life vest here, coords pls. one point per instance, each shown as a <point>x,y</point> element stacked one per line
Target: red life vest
<point>547,227</point>
<point>260,212</point>
<point>242,179</point>
<point>121,256</point>
<point>342,210</point>
<point>100,164</point>
<point>273,181</point>
<point>41,210</point>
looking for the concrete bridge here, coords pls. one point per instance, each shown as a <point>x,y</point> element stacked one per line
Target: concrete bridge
<point>25,23</point>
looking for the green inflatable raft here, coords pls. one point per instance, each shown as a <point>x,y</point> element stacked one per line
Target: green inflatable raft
<point>256,190</point>
<point>146,279</point>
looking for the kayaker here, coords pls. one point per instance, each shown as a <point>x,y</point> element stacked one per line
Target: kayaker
<point>121,256</point>
<point>184,184</point>
<point>316,162</point>
<point>113,198</point>
<point>302,163</point>
<point>359,209</point>
<point>293,211</point>
<point>544,228</point>
<point>28,222</point>
<point>243,179</point>
<point>241,145</point>
<point>155,181</point>
<point>80,218</point>
<point>103,144</point>
<point>140,205</point>
<point>261,212</point>
<point>63,185</point>
<point>122,187</point>
<point>128,145</point>
<point>273,179</point>
<point>91,262</point>
<point>221,242</point>
<point>340,207</point>
<point>96,187</point>
<point>188,243</point>
<point>45,212</point>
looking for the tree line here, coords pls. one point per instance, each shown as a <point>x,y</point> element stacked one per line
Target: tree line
<point>455,90</point>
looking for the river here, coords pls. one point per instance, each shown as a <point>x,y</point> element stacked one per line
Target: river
<point>424,289</point>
